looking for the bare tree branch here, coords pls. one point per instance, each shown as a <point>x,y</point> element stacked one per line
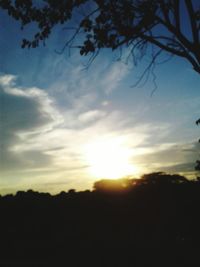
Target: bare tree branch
<point>192,21</point>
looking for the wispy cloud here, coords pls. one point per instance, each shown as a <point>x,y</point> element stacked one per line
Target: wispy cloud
<point>171,157</point>
<point>114,76</point>
<point>44,133</point>
<point>91,115</point>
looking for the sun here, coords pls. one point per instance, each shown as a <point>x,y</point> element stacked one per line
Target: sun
<point>109,158</point>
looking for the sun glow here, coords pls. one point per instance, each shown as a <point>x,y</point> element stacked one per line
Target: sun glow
<point>109,158</point>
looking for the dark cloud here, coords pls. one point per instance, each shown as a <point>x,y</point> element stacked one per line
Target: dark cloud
<point>20,113</point>
<point>24,160</point>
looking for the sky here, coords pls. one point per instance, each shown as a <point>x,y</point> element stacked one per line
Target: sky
<point>63,125</point>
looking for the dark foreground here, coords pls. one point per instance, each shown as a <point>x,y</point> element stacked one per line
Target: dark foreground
<point>153,223</point>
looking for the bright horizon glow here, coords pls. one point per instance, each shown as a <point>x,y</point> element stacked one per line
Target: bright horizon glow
<point>110,158</point>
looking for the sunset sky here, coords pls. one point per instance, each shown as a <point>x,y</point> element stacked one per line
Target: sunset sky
<point>64,126</point>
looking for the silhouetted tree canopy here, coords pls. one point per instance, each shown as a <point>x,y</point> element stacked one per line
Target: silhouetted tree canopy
<point>161,178</point>
<point>158,179</point>
<point>154,223</point>
<point>172,26</point>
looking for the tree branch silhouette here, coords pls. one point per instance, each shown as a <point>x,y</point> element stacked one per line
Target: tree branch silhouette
<point>115,24</point>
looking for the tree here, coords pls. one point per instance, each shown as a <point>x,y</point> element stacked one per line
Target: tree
<point>172,26</point>
<point>161,179</point>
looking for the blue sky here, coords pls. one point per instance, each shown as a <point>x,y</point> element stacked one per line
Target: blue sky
<point>63,125</point>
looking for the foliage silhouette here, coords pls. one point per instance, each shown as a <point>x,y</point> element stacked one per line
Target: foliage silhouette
<point>138,24</point>
<point>127,184</point>
<point>155,222</point>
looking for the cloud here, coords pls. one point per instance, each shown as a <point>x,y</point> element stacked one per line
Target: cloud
<point>23,112</point>
<point>85,89</point>
<point>170,158</point>
<point>38,99</point>
<point>45,137</point>
<point>113,76</point>
<point>91,115</point>
<point>39,143</point>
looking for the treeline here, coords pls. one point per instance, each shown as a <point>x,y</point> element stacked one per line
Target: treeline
<point>154,221</point>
